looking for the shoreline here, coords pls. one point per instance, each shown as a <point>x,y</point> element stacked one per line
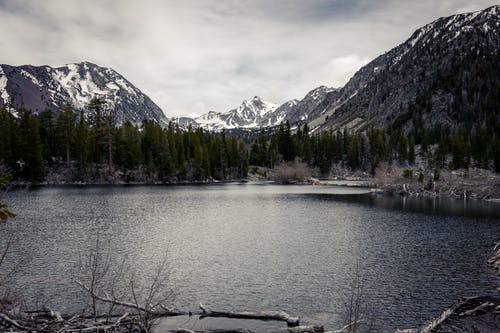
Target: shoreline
<point>485,193</point>
<point>453,190</point>
<point>18,184</point>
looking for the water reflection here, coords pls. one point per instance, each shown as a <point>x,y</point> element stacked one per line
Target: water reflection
<point>435,206</point>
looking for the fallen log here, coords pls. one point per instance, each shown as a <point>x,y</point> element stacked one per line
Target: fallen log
<point>477,309</point>
<point>467,313</point>
<point>13,323</point>
<point>261,315</point>
<point>47,320</point>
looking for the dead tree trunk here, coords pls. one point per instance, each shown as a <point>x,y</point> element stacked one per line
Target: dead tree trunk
<point>261,315</point>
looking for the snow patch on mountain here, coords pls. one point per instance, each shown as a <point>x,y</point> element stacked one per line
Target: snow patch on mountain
<point>3,87</point>
<point>41,87</point>
<point>31,78</point>
<point>250,114</point>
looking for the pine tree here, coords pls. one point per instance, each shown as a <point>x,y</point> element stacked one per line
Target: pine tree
<point>96,108</point>
<point>81,143</point>
<point>32,165</point>
<point>411,150</point>
<point>65,128</point>
<point>48,134</point>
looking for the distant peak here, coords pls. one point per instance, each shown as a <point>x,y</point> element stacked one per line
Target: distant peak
<point>323,88</point>
<point>492,8</point>
<point>86,65</point>
<point>495,10</point>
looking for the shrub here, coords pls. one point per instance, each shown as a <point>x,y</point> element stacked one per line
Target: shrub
<point>408,174</point>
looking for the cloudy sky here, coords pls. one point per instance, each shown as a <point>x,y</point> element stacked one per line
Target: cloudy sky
<point>192,56</point>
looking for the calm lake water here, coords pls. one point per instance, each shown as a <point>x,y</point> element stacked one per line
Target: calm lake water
<point>259,247</point>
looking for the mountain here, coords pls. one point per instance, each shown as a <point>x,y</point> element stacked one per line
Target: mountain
<point>41,87</point>
<point>257,114</point>
<point>446,74</point>
<point>250,114</point>
<point>310,107</point>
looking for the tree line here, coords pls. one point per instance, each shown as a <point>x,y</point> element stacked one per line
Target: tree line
<point>92,146</point>
<point>440,147</point>
<point>466,134</point>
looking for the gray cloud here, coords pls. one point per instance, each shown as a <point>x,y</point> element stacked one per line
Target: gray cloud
<point>194,56</point>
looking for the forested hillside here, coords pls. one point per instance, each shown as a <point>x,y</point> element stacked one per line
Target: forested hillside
<point>94,150</point>
<point>429,104</point>
<point>72,147</point>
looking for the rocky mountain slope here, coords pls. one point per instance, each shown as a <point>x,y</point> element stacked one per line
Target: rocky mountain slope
<point>41,87</point>
<point>447,73</point>
<point>309,107</point>
<point>256,114</point>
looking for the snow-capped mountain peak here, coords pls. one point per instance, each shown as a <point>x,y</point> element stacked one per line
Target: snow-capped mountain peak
<point>257,113</point>
<point>44,87</point>
<point>248,115</point>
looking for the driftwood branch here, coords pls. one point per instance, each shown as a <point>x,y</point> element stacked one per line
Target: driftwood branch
<point>477,308</point>
<point>466,312</point>
<point>261,315</point>
<point>47,320</point>
<point>101,328</point>
<point>106,299</point>
<point>346,328</point>
<point>11,322</point>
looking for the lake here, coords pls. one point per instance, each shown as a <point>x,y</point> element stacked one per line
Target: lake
<point>258,247</point>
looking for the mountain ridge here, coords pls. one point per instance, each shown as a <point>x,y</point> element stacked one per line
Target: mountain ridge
<point>46,87</point>
<point>388,86</point>
<point>381,93</point>
<point>257,114</point>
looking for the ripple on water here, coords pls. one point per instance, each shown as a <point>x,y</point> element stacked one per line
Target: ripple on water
<point>254,247</point>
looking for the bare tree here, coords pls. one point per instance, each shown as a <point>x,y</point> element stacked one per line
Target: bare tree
<point>155,294</point>
<point>5,299</point>
<point>104,285</point>
<point>92,272</point>
<point>114,290</point>
<point>356,307</point>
